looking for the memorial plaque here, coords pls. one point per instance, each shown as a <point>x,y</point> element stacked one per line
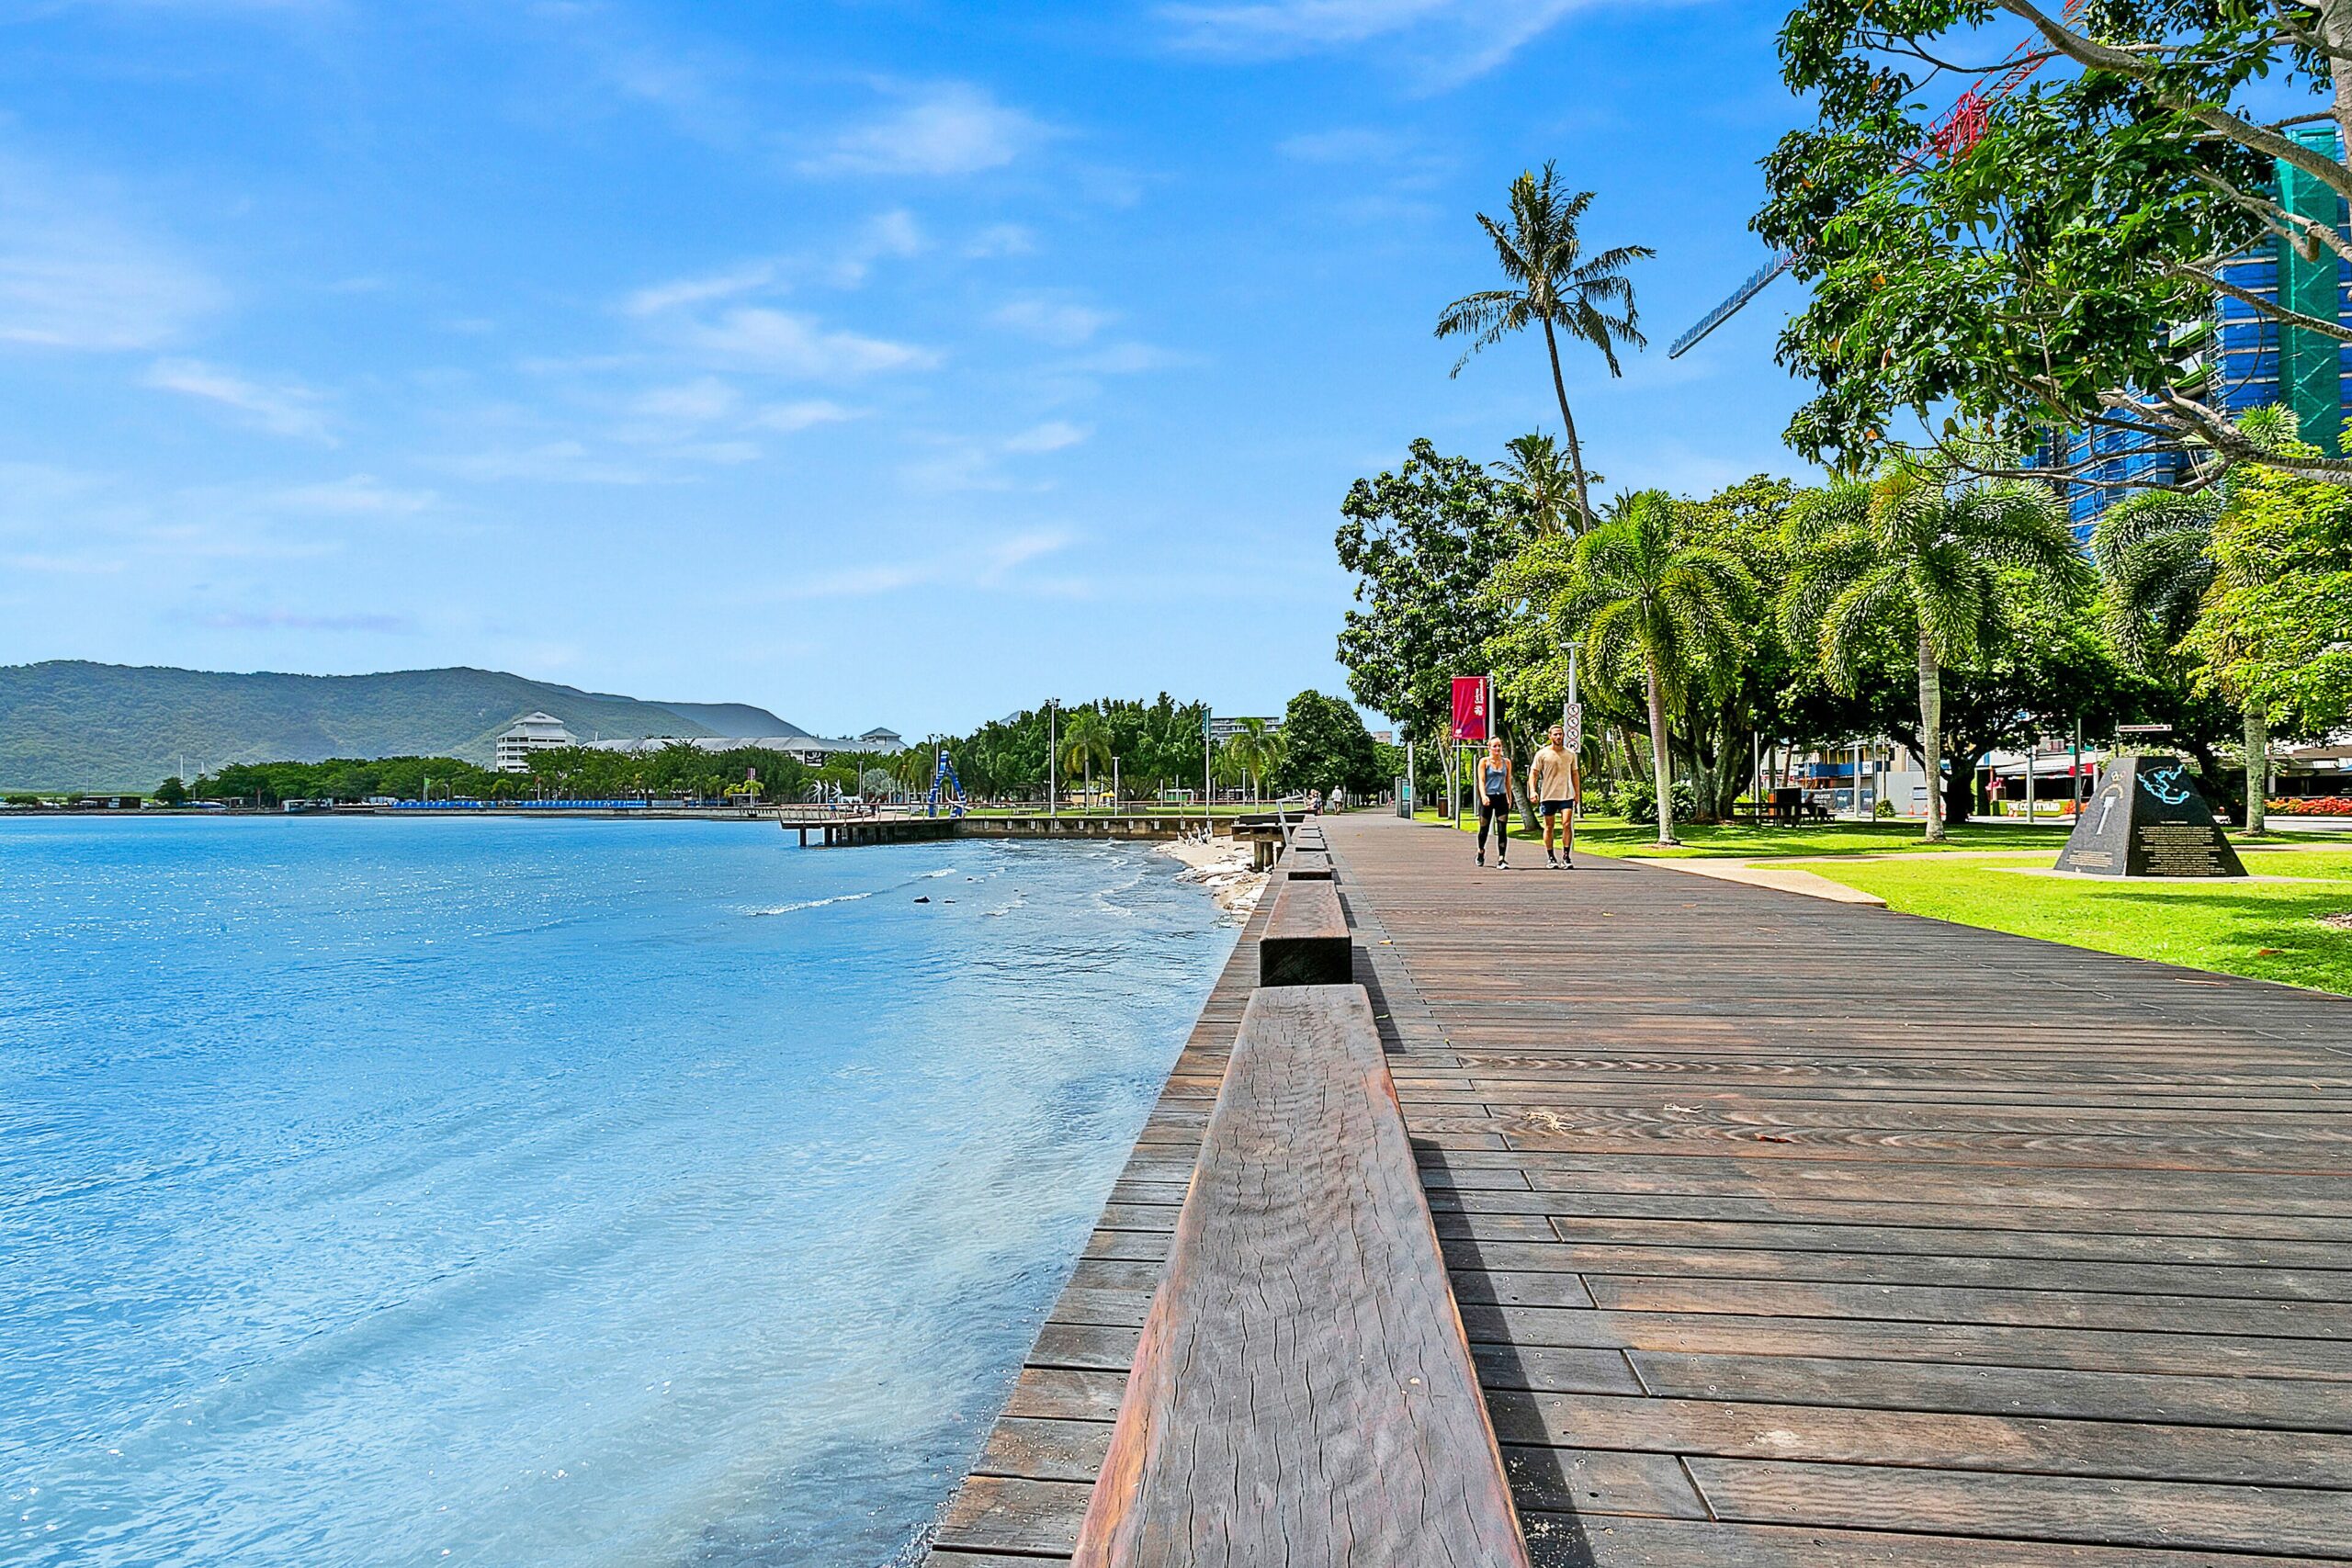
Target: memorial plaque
<point>2147,817</point>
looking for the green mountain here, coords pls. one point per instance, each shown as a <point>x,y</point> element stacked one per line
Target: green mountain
<point>70,725</point>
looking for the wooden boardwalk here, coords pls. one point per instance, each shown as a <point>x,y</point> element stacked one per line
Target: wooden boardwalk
<point>1790,1233</point>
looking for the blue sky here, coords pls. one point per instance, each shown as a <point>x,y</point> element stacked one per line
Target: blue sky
<point>880,361</point>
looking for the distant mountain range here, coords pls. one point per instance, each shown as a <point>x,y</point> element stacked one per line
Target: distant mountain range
<point>70,725</point>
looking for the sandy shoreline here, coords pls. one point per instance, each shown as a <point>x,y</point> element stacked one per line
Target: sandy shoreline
<point>1223,867</point>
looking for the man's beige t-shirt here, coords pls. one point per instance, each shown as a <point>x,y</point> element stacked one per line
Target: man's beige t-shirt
<point>1553,776</point>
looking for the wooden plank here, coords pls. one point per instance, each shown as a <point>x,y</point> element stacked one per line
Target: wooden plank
<point>1305,939</point>
<point>1303,1393</point>
<point>1941,1440</point>
<point>1308,865</point>
<point>2296,1521</point>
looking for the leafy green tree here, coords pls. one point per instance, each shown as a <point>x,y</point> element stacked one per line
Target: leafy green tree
<point>1423,542</point>
<point>1641,593</point>
<point>1327,747</point>
<point>173,790</point>
<point>2276,630</point>
<point>1913,550</point>
<point>1554,286</point>
<point>2028,268</point>
<point>2154,554</point>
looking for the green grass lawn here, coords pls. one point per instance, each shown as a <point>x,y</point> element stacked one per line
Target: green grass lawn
<point>1611,836</point>
<point>2267,931</point>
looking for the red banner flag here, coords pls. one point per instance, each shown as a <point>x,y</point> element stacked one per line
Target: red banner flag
<point>1469,707</point>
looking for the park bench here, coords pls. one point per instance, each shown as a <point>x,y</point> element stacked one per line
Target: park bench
<point>1305,940</point>
<point>1303,1393</point>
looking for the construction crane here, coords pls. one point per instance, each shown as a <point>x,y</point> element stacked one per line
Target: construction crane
<point>1954,135</point>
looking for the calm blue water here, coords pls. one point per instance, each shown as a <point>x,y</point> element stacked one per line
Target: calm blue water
<point>532,1194</point>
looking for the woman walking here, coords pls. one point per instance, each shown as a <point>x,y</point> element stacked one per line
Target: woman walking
<point>1494,802</point>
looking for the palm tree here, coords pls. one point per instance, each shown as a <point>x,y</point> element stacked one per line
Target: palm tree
<point>1641,597</point>
<point>2155,568</point>
<point>1086,739</point>
<point>1250,749</point>
<point>1544,484</point>
<point>1912,547</point>
<point>1554,286</point>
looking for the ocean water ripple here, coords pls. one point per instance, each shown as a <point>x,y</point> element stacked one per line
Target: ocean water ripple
<point>493,1193</point>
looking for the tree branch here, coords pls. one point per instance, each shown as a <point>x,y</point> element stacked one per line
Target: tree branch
<point>2269,307</point>
<point>2093,55</point>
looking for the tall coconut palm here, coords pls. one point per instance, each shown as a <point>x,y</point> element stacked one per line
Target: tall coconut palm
<point>1642,597</point>
<point>1085,741</point>
<point>2156,562</point>
<point>1556,286</point>
<point>1914,548</point>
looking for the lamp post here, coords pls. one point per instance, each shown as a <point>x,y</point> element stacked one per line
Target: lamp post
<point>1052,745</point>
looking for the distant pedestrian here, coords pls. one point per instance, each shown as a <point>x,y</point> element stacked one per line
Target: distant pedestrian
<point>1494,802</point>
<point>1551,783</point>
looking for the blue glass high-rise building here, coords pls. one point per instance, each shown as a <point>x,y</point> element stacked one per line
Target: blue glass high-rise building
<point>2244,357</point>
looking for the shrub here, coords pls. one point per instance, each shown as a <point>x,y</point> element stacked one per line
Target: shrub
<point>1884,808</point>
<point>1639,801</point>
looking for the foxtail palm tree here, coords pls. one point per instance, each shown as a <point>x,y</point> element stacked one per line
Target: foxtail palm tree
<point>1911,546</point>
<point>1556,286</point>
<point>1642,597</point>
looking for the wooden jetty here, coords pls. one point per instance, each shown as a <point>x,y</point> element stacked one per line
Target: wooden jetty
<point>834,830</point>
<point>1782,1232</point>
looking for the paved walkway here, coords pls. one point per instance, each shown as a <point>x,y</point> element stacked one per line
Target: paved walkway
<point>1796,1233</point>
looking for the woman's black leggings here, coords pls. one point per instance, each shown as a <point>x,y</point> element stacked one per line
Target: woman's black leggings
<point>1496,809</point>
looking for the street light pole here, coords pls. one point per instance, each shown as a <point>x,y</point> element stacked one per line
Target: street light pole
<point>1052,745</point>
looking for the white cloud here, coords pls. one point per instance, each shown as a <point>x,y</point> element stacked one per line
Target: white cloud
<point>802,415</point>
<point>990,564</point>
<point>952,128</point>
<point>1001,239</point>
<point>783,343</point>
<point>1051,436</point>
<point>695,402</point>
<point>683,291</point>
<point>1126,359</point>
<point>1063,324</point>
<point>1454,39</point>
<point>72,278</point>
<point>287,409</point>
<point>360,495</point>
<point>560,462</point>
<point>892,234</point>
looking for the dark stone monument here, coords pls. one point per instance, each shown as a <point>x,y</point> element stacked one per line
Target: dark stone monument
<point>2148,818</point>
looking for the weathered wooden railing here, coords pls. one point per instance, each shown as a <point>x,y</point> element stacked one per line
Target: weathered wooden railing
<point>1302,1395</point>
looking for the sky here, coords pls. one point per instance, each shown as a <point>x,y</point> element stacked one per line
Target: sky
<point>877,361</point>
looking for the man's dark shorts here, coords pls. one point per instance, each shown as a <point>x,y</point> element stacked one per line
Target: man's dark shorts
<point>1554,807</point>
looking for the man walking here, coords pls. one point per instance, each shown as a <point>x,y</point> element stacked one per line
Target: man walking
<point>1552,782</point>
